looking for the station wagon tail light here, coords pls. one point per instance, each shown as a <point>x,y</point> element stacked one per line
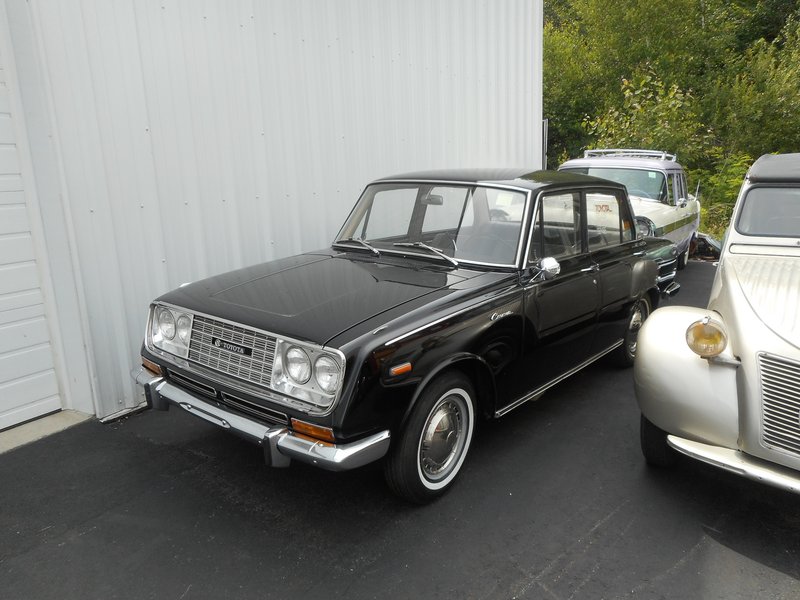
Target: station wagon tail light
<point>706,337</point>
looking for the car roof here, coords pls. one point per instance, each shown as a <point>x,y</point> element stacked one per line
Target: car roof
<point>656,160</point>
<point>776,168</point>
<point>515,177</point>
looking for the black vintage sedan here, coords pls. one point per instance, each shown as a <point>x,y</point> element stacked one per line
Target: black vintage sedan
<point>447,296</point>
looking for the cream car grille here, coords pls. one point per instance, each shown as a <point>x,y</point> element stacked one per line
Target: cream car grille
<point>207,347</point>
<point>780,393</point>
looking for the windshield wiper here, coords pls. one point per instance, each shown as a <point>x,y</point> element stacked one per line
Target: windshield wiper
<point>369,247</point>
<point>436,251</point>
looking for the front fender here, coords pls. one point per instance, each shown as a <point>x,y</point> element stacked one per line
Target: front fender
<point>680,392</point>
<point>474,367</point>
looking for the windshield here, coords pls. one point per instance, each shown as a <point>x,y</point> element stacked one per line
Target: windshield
<point>466,223</point>
<point>770,211</point>
<point>644,183</point>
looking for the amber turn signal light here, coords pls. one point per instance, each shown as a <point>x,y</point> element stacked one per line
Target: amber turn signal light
<point>151,366</point>
<point>400,369</point>
<point>315,431</point>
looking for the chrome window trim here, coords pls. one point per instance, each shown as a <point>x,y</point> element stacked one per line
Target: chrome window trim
<point>267,393</point>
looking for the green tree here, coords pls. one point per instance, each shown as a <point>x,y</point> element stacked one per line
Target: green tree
<point>653,115</point>
<point>757,103</point>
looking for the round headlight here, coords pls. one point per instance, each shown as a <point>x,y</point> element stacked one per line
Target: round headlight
<point>645,227</point>
<point>298,365</point>
<point>326,372</point>
<point>706,337</point>
<point>166,323</point>
<point>184,326</point>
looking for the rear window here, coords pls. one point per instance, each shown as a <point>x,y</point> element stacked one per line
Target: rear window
<point>770,211</point>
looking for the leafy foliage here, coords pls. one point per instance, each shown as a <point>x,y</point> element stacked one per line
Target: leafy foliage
<point>653,115</point>
<point>715,81</point>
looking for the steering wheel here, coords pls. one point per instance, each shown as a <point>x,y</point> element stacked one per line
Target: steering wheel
<point>638,192</point>
<point>498,214</point>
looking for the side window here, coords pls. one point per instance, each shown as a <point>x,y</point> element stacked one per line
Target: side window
<point>604,220</point>
<point>672,189</point>
<point>557,227</point>
<point>683,187</point>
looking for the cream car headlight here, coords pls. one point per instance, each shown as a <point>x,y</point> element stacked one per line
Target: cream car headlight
<point>645,227</point>
<point>307,372</point>
<point>170,330</point>
<point>706,337</point>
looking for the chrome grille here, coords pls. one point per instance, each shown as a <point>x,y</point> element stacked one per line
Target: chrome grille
<point>780,398</point>
<point>256,368</point>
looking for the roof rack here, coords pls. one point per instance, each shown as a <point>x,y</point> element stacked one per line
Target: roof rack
<point>660,154</point>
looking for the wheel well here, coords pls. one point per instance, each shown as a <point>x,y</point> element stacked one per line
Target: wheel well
<point>476,371</point>
<point>654,296</point>
<point>483,382</point>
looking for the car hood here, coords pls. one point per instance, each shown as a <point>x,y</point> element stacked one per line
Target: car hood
<point>771,286</point>
<point>313,297</point>
<point>652,209</point>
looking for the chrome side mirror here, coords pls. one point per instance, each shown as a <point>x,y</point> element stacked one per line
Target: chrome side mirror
<point>549,267</point>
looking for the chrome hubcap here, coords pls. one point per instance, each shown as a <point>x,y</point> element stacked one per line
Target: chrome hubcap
<point>442,438</point>
<point>637,318</point>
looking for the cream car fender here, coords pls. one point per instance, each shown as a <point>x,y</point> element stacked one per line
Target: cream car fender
<point>679,391</point>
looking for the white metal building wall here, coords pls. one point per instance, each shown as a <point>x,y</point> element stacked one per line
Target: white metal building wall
<point>197,136</point>
<point>28,381</point>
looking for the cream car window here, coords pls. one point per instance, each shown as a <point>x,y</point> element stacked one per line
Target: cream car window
<point>603,220</point>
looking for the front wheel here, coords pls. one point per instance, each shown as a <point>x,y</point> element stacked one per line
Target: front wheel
<point>655,448</point>
<point>434,443</point>
<point>626,353</point>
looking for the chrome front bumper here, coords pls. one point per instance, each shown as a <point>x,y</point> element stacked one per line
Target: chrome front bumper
<point>280,443</point>
<point>739,463</point>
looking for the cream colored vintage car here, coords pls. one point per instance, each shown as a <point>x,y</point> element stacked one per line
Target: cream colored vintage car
<point>657,188</point>
<point>722,384</point>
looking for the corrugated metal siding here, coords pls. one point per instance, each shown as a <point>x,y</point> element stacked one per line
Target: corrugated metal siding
<point>200,136</point>
<point>28,382</point>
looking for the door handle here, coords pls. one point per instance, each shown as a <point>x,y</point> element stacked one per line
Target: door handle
<point>640,253</point>
<point>592,269</point>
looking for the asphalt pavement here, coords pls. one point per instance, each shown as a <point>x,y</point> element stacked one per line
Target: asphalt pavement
<point>554,501</point>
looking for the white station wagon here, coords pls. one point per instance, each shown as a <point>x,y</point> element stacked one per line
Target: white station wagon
<point>657,188</point>
<point>722,384</point>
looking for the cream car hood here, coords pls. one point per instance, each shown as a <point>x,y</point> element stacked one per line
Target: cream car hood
<point>652,209</point>
<point>771,286</point>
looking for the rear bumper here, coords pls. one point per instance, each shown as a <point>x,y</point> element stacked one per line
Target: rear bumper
<point>739,463</point>
<point>280,443</point>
